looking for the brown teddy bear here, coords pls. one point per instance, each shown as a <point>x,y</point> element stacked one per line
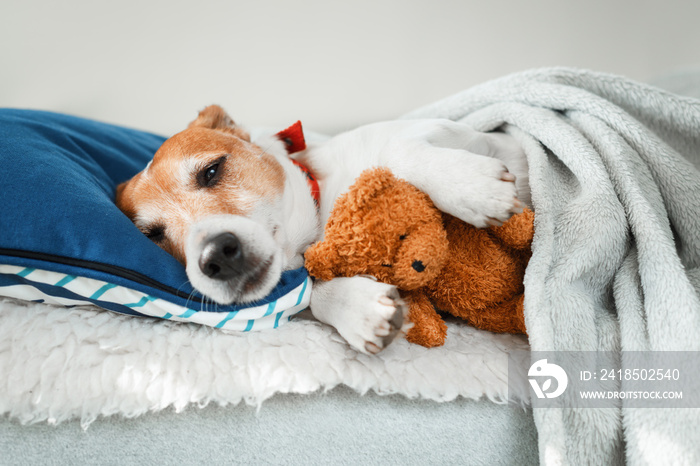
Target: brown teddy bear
<point>385,227</point>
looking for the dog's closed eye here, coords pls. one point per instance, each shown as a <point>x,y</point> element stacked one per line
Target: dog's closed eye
<point>211,174</point>
<point>155,233</point>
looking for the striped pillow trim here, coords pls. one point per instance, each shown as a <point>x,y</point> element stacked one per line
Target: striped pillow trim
<point>39,285</point>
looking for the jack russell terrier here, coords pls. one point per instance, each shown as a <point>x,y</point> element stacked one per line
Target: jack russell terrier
<point>237,213</point>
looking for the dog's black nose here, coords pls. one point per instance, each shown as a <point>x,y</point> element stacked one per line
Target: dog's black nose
<point>222,257</point>
<point>418,266</point>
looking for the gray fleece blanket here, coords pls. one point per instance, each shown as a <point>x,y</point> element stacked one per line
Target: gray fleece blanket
<point>615,177</point>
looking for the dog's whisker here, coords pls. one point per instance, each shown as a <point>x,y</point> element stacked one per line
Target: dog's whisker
<point>189,298</point>
<point>179,288</point>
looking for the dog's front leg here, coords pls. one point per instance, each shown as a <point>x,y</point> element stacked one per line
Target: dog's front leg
<point>367,313</point>
<point>441,158</point>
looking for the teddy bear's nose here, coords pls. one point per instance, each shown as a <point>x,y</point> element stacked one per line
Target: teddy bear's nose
<point>418,266</point>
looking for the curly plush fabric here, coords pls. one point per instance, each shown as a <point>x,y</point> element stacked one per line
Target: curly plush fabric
<point>384,227</point>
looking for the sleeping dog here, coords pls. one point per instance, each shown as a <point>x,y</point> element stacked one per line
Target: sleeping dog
<point>237,213</point>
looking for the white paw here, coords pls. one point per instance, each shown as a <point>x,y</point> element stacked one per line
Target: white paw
<point>370,314</point>
<point>476,189</point>
<point>442,159</point>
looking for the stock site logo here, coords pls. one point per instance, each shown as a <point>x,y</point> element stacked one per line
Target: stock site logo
<point>541,369</point>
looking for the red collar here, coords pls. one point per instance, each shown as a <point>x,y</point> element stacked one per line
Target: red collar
<point>293,139</point>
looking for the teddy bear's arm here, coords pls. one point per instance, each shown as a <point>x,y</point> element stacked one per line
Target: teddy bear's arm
<point>428,329</point>
<point>320,260</point>
<point>518,231</point>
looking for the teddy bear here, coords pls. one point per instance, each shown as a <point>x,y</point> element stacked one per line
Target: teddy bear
<point>387,228</point>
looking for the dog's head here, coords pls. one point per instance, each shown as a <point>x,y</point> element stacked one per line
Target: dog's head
<point>212,199</point>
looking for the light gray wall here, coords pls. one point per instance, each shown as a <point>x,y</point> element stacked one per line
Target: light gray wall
<point>153,64</point>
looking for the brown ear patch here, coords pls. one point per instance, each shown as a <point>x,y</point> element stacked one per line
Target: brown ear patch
<point>123,201</point>
<point>215,117</point>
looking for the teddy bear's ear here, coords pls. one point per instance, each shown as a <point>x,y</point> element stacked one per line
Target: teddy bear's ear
<point>321,260</point>
<point>367,186</point>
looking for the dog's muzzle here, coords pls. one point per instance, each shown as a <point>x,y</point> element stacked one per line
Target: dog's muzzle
<point>222,257</point>
<point>232,259</point>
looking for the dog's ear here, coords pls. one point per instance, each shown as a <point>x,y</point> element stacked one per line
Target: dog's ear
<point>120,191</point>
<point>214,117</point>
<point>123,202</point>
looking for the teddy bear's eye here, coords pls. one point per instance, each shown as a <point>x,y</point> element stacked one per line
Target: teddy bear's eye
<point>403,237</point>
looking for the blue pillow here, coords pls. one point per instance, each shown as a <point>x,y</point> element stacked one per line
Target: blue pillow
<point>64,241</point>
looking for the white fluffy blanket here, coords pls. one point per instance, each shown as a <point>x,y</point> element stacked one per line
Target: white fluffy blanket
<point>614,169</point>
<point>58,364</point>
